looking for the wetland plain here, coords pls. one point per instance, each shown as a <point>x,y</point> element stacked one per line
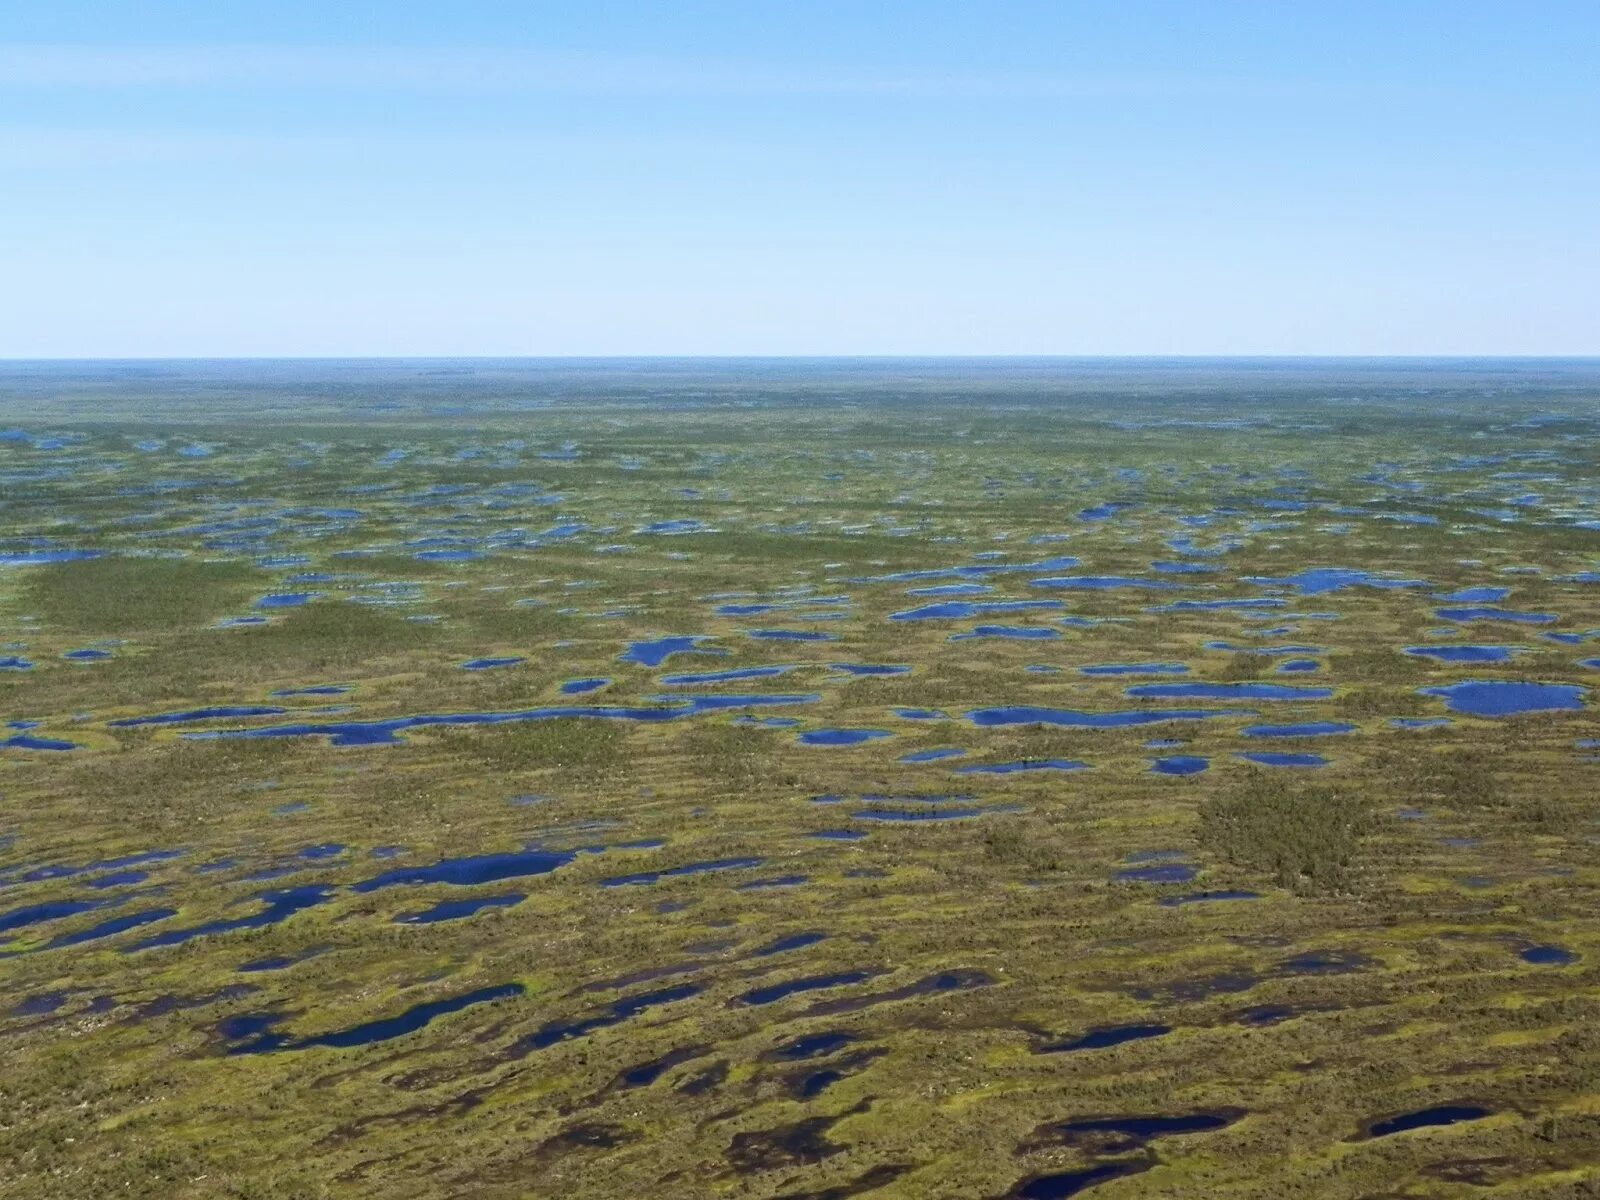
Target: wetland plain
<point>800,779</point>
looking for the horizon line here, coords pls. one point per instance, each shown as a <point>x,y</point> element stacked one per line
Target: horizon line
<point>1216,356</point>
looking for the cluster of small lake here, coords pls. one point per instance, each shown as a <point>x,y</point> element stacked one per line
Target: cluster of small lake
<point>273,906</point>
<point>1109,1134</point>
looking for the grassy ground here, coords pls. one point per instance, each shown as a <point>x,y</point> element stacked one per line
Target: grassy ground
<point>1380,969</point>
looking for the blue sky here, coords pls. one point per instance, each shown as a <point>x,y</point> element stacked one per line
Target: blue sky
<point>755,177</point>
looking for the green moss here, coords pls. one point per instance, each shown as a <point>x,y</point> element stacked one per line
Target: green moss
<point>128,596</point>
<point>1303,837</point>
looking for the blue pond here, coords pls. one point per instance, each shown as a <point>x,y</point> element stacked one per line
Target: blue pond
<point>841,737</point>
<point>791,635</point>
<point>490,664</point>
<point>37,1006</point>
<point>1318,581</point>
<point>814,1045</point>
<point>582,687</point>
<point>1061,1185</point>
<point>286,599</point>
<point>871,670</point>
<point>1015,633</point>
<point>655,652</point>
<point>1547,956</point>
<point>27,741</point>
<point>1024,714</point>
<point>469,870</point>
<point>278,906</point>
<point>1207,898</point>
<point>455,910</point>
<point>1102,512</point>
<point>795,941</point>
<point>685,525</point>
<point>1465,654</point>
<point>1157,873</point>
<point>115,925</point>
<point>956,610</point>
<point>256,1034</point>
<point>1251,602</point>
<point>386,733</point>
<point>34,914</point>
<point>613,1014</point>
<point>1143,1127</point>
<point>40,558</point>
<point>1504,698</point>
<point>927,756</point>
<point>1180,764</point>
<point>1014,768</point>
<point>1264,758</point>
<point>1299,729</point>
<point>1490,613</point>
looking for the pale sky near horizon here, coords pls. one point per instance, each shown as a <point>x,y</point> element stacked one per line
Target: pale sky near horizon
<point>756,177</point>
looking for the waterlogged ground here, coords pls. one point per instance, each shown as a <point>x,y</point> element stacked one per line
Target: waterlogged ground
<point>895,780</point>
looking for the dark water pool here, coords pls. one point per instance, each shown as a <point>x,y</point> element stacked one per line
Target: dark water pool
<point>1425,1118</point>
<point>455,910</point>
<point>1063,1184</point>
<point>643,878</point>
<point>1106,1037</point>
<point>258,1035</point>
<point>1024,766</point>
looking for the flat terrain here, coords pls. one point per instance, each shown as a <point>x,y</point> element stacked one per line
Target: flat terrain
<point>807,780</point>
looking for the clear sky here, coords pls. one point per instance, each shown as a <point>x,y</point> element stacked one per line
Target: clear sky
<point>331,177</point>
